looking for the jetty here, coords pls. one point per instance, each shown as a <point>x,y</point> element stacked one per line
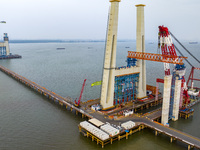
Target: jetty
<point>141,121</point>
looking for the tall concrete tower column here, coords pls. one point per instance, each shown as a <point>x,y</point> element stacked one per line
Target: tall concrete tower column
<point>107,89</point>
<point>177,95</point>
<point>166,99</point>
<point>6,44</point>
<point>140,47</point>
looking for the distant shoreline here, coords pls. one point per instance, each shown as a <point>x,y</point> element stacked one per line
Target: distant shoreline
<point>79,41</point>
<point>63,41</point>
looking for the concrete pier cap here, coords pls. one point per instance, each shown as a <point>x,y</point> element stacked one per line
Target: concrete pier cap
<point>139,5</point>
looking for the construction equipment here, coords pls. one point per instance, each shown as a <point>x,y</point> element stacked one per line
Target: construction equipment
<point>184,86</point>
<point>165,41</point>
<point>193,91</point>
<point>191,77</point>
<point>165,58</point>
<point>77,104</point>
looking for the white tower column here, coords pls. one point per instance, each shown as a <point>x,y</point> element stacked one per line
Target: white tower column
<point>140,47</point>
<point>6,44</point>
<point>177,95</point>
<point>166,99</point>
<point>107,90</point>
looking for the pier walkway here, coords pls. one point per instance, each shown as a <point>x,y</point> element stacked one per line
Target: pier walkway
<point>174,134</point>
<point>42,90</point>
<point>144,120</point>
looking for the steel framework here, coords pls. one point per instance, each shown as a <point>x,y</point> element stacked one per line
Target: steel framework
<point>191,76</point>
<point>131,62</point>
<point>3,51</point>
<point>157,57</point>
<point>125,88</point>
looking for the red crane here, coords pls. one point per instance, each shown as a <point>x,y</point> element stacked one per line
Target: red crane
<point>168,48</point>
<point>79,100</point>
<point>191,76</point>
<point>165,41</point>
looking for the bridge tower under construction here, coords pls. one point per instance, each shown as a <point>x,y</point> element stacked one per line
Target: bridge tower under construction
<point>124,83</point>
<point>4,46</point>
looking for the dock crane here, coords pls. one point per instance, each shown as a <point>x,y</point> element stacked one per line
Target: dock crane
<point>77,104</point>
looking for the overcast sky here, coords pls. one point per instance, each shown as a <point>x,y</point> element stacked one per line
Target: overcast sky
<point>87,19</point>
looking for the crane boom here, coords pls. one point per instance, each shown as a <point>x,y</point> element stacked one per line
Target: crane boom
<point>156,57</point>
<point>79,100</point>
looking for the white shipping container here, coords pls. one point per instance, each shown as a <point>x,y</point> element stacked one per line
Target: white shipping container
<point>94,130</point>
<point>128,125</point>
<point>109,129</point>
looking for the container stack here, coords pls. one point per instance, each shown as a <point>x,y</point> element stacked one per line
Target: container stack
<point>109,129</point>
<point>128,125</point>
<point>94,130</point>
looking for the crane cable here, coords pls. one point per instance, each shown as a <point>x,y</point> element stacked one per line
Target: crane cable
<point>184,47</point>
<point>183,55</point>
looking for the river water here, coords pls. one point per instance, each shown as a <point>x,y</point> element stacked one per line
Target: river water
<point>29,121</point>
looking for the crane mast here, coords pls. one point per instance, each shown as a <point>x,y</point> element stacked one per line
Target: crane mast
<point>165,43</point>
<point>168,48</point>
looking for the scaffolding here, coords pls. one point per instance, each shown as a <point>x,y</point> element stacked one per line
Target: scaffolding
<point>131,62</point>
<point>2,51</point>
<point>125,88</point>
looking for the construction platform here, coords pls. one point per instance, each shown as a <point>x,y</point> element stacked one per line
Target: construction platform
<point>186,112</point>
<point>10,56</point>
<point>141,121</point>
<point>111,139</point>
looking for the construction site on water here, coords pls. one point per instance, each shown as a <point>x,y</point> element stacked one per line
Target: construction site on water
<point>5,49</point>
<point>118,113</point>
<point>124,91</point>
